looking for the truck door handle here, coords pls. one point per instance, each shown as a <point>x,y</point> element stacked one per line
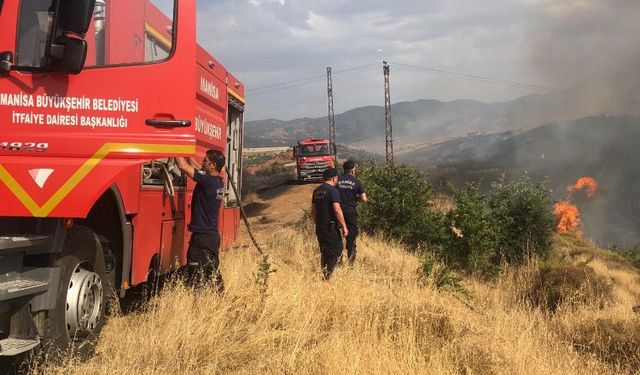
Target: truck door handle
<point>168,123</point>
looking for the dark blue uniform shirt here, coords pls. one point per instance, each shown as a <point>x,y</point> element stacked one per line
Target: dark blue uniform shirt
<point>350,188</point>
<point>205,203</point>
<point>323,198</point>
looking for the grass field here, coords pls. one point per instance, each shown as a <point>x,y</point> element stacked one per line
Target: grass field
<point>376,318</point>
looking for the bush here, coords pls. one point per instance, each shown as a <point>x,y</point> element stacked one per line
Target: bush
<point>439,275</point>
<point>478,233</point>
<point>525,221</point>
<point>554,285</point>
<point>473,241</point>
<point>399,204</point>
<point>512,221</point>
<point>633,256</point>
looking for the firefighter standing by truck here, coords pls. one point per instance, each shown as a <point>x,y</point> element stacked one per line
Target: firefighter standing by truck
<point>351,191</point>
<point>203,254</point>
<point>329,221</point>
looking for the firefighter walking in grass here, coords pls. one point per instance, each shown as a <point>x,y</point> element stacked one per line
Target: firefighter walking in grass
<point>329,221</point>
<point>351,191</point>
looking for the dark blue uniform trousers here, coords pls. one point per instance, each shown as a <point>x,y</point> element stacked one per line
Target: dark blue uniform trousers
<point>330,242</point>
<point>351,219</point>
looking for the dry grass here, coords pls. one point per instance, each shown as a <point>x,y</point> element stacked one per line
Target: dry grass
<point>568,285</point>
<point>372,319</point>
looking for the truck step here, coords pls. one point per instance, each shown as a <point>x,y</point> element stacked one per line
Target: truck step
<point>10,347</point>
<point>21,241</point>
<point>21,287</point>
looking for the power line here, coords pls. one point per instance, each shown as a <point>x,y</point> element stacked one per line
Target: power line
<point>285,87</point>
<point>472,77</point>
<point>285,83</point>
<point>304,81</point>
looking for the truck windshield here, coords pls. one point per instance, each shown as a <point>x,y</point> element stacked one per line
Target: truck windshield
<point>33,30</point>
<point>314,150</point>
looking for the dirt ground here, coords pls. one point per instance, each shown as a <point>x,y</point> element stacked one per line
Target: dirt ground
<point>275,208</point>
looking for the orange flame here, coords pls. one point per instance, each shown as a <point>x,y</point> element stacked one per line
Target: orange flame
<point>589,185</point>
<point>568,218</point>
<point>567,214</point>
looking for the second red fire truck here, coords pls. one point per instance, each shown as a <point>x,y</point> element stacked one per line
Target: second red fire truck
<point>313,156</point>
<point>97,98</point>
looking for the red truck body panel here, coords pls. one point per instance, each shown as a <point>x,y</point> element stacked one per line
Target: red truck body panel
<point>81,134</point>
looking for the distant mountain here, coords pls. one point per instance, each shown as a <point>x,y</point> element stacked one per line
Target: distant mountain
<point>419,121</point>
<point>603,147</point>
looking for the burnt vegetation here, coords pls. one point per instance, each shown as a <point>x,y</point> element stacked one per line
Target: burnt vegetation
<point>603,147</point>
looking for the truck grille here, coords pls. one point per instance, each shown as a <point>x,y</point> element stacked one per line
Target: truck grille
<point>317,165</point>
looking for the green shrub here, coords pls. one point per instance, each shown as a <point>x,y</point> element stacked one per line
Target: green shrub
<point>478,233</point>
<point>431,272</point>
<point>522,211</point>
<point>514,220</point>
<point>473,241</point>
<point>399,204</point>
<point>633,256</point>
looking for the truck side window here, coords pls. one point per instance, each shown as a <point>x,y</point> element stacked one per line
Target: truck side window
<point>141,32</point>
<point>33,29</point>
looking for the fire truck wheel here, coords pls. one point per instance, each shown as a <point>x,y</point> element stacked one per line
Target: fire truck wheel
<point>76,321</point>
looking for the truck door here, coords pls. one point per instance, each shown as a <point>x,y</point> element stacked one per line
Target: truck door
<point>65,137</point>
<point>235,118</point>
<point>234,149</point>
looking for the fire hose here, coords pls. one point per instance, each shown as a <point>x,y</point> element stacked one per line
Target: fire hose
<point>244,215</point>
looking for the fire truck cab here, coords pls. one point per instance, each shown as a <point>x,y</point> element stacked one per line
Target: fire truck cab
<point>313,157</point>
<point>97,98</point>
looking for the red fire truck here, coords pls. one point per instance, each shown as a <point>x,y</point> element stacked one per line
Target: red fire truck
<point>313,156</point>
<point>97,98</point>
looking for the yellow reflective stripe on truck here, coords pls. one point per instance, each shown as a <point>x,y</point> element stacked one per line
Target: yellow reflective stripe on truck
<point>82,172</point>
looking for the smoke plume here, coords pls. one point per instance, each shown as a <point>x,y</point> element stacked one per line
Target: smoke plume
<point>590,49</point>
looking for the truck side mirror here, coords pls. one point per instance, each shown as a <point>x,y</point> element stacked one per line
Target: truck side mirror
<point>68,50</point>
<point>6,60</point>
<point>295,152</point>
<point>74,16</point>
<point>68,54</point>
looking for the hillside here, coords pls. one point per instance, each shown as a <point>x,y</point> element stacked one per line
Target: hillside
<point>603,147</point>
<point>378,317</point>
<point>421,120</point>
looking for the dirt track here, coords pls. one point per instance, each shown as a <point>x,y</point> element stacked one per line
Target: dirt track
<point>275,208</point>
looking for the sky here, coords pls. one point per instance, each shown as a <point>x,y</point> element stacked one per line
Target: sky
<point>487,50</point>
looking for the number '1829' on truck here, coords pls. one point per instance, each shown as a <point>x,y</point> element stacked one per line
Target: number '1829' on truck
<point>97,98</point>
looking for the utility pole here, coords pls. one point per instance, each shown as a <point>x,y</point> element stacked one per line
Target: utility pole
<point>332,122</point>
<point>388,133</point>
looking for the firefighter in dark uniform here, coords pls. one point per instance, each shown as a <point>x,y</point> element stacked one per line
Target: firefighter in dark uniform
<point>351,191</point>
<point>329,221</point>
<point>203,254</point>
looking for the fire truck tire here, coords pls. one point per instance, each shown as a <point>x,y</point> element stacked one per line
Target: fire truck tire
<point>74,324</point>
